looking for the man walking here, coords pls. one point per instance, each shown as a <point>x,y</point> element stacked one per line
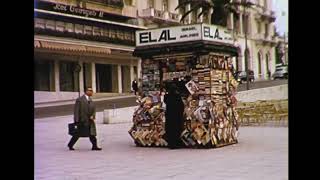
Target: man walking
<point>84,116</point>
<point>174,116</point>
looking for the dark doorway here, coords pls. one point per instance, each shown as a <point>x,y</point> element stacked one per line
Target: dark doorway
<point>104,77</point>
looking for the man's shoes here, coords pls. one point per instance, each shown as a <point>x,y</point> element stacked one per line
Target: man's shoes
<point>96,149</point>
<point>71,148</point>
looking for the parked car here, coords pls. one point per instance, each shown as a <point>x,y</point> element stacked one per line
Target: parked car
<point>281,72</point>
<point>241,76</point>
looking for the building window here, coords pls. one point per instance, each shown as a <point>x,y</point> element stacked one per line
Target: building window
<point>236,25</point>
<point>268,65</point>
<point>96,31</point>
<point>88,30</point>
<point>79,28</point>
<point>105,32</point>
<point>43,75</point>
<point>39,23</point>
<point>112,33</point>
<point>69,79</point>
<point>247,24</point>
<point>60,26</point>
<point>165,5</point>
<point>258,27</point>
<point>266,30</point>
<point>219,17</point>
<point>259,63</point>
<point>150,4</point>
<point>70,27</point>
<point>50,25</point>
<point>120,34</point>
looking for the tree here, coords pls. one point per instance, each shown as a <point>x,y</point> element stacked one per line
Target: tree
<point>221,9</point>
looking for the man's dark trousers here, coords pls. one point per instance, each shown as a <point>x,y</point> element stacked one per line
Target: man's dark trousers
<point>75,138</point>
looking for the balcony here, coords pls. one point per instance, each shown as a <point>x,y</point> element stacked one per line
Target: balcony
<point>262,39</point>
<point>158,16</point>
<point>266,14</point>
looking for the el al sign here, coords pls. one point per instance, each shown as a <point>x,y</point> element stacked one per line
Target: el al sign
<point>183,34</point>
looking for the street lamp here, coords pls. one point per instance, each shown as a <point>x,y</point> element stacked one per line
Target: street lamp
<point>77,69</point>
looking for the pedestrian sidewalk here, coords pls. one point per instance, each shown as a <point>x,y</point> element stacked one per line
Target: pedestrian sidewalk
<point>96,98</point>
<point>262,153</point>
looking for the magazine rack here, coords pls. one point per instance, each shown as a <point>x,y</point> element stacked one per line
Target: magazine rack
<point>202,70</point>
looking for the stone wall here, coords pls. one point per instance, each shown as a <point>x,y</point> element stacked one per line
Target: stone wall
<point>269,93</point>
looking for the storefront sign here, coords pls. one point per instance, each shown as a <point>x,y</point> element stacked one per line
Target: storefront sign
<point>183,34</point>
<point>69,9</point>
<point>216,33</point>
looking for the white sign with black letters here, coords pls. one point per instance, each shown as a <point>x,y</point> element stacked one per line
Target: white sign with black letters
<point>168,35</point>
<point>216,33</point>
<point>183,34</point>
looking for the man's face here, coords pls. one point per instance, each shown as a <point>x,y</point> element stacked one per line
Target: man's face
<point>89,92</point>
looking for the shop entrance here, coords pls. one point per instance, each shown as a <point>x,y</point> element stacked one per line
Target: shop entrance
<point>104,77</point>
<point>125,74</point>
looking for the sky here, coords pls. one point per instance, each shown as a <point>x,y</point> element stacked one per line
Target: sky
<point>281,22</point>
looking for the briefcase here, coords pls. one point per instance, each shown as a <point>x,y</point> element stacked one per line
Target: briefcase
<point>73,129</point>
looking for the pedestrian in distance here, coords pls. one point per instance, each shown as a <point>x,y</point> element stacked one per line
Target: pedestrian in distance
<point>84,117</point>
<point>135,86</point>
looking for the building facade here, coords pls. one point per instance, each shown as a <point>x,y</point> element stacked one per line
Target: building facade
<point>259,19</point>
<point>83,43</point>
<point>97,38</point>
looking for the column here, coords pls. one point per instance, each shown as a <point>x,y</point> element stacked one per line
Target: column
<point>188,7</point>
<point>56,76</point>
<point>119,79</point>
<point>241,24</point>
<point>200,19</point>
<point>231,21</point>
<point>93,76</point>
<point>81,79</point>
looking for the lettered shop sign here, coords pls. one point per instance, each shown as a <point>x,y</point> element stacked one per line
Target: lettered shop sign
<point>183,34</point>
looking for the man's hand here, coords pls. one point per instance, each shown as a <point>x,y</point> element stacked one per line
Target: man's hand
<point>92,118</point>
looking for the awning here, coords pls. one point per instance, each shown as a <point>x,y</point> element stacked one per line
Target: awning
<point>98,50</point>
<point>198,46</point>
<point>70,47</point>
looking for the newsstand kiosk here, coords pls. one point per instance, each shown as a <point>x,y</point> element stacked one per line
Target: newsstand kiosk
<point>197,58</point>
